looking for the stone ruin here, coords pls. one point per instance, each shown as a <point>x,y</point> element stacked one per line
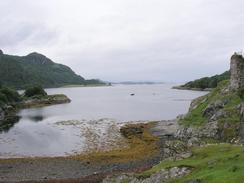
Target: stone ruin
<point>237,72</point>
<point>236,83</point>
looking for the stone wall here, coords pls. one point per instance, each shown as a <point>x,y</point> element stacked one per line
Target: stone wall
<point>237,72</point>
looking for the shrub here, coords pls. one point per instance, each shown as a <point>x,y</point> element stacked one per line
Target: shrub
<point>35,91</point>
<point>3,98</point>
<point>10,94</point>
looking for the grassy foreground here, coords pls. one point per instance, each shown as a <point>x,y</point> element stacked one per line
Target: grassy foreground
<point>219,163</point>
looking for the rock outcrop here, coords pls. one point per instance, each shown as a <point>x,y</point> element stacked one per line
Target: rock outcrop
<point>163,175</point>
<point>192,135</point>
<point>1,52</point>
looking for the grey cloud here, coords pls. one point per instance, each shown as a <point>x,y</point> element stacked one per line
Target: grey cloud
<point>167,40</point>
<point>32,34</point>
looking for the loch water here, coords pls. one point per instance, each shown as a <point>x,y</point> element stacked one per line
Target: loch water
<point>95,113</point>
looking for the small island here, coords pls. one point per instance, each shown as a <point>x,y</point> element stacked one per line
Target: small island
<point>11,101</point>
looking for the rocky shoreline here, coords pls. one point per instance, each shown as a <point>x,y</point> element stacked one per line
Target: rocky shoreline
<point>76,169</point>
<point>90,168</point>
<point>174,142</point>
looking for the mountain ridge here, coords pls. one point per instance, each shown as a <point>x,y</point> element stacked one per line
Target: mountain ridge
<point>36,69</point>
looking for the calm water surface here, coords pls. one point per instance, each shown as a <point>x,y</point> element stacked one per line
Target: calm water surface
<point>94,111</point>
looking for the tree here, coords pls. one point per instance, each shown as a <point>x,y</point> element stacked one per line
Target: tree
<point>35,91</point>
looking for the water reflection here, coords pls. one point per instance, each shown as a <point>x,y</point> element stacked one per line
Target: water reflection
<point>36,118</point>
<point>7,124</point>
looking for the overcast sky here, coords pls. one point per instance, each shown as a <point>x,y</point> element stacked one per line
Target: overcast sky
<point>120,40</point>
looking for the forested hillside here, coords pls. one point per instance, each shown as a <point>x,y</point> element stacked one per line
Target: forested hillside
<point>36,69</point>
<point>207,82</point>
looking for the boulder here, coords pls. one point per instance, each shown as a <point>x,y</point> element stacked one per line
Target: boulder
<point>213,108</point>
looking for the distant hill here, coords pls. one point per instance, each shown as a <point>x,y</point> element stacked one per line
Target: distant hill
<point>36,69</point>
<point>206,82</point>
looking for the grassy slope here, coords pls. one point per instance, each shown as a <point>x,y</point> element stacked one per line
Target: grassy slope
<point>195,117</point>
<point>221,163</point>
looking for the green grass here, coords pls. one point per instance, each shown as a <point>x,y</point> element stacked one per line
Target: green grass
<point>221,163</point>
<point>196,118</point>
